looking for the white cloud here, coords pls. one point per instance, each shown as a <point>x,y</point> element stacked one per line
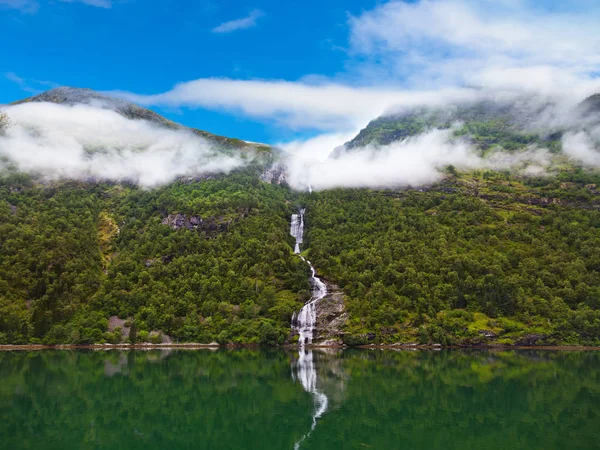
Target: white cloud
<point>317,148</point>
<point>581,147</point>
<point>11,76</point>
<point>98,3</point>
<point>82,142</point>
<point>239,24</point>
<point>23,83</point>
<point>25,6</point>
<point>32,6</point>
<point>415,161</point>
<point>453,41</point>
<point>295,104</point>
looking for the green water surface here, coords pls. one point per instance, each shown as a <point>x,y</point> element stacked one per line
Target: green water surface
<point>268,399</point>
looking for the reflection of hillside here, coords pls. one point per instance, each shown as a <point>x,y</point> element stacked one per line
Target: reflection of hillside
<point>118,362</point>
<point>472,400</point>
<point>446,400</point>
<point>191,399</point>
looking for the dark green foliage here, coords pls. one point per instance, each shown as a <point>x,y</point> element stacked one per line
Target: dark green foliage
<point>485,124</point>
<point>482,257</point>
<point>64,270</point>
<point>417,266</point>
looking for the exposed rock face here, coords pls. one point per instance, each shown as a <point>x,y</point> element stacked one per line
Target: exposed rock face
<point>216,225</point>
<point>115,322</point>
<point>331,317</point>
<point>274,174</point>
<point>531,339</point>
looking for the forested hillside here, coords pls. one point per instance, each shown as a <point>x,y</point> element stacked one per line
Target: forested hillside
<point>203,261</point>
<point>480,258</point>
<point>484,256</point>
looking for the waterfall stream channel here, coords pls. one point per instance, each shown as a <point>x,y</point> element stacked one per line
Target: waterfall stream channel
<point>304,322</point>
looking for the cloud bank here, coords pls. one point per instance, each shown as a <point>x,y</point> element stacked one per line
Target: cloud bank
<point>84,142</point>
<point>88,142</point>
<point>415,161</point>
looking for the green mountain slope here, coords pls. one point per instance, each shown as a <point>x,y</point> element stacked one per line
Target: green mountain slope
<point>482,257</point>
<point>205,261</point>
<point>511,125</point>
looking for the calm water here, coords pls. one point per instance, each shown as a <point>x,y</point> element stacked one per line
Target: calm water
<point>247,399</point>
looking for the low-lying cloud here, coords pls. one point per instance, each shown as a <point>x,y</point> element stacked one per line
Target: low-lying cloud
<point>91,142</point>
<point>415,161</point>
<point>83,142</point>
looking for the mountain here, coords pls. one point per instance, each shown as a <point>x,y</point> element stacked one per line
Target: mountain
<point>513,125</point>
<point>482,257</point>
<point>74,96</point>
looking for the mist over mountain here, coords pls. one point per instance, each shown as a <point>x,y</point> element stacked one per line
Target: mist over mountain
<point>470,223</point>
<point>80,134</point>
<point>71,96</point>
<point>83,133</point>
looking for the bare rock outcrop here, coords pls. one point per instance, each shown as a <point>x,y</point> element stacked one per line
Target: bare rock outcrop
<point>211,224</point>
<point>331,317</point>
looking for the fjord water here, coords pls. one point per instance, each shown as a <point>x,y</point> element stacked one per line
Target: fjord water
<point>272,399</point>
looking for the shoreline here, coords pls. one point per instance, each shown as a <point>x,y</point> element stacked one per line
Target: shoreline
<point>215,346</point>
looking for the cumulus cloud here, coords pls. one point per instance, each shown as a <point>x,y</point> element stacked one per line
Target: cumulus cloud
<point>84,142</point>
<point>464,41</point>
<point>239,24</point>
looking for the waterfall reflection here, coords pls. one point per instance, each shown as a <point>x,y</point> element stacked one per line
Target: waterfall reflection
<point>321,375</point>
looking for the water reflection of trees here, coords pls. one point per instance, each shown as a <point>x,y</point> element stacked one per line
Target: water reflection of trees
<point>244,398</point>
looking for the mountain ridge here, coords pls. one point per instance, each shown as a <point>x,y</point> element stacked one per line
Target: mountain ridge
<point>510,120</point>
<point>67,95</point>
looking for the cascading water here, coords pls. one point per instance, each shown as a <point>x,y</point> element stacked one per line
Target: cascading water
<point>297,229</point>
<point>304,322</point>
<point>304,370</point>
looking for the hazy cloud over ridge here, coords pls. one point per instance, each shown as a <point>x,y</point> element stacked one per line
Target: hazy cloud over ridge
<point>87,142</point>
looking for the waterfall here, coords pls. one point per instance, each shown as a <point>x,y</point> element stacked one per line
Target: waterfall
<point>297,229</point>
<point>304,370</point>
<point>304,322</point>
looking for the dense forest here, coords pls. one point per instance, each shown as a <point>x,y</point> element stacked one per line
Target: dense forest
<point>479,258</point>
<point>482,257</point>
<point>73,254</point>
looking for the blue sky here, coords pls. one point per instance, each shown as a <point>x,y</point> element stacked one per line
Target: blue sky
<point>274,71</point>
<point>147,46</point>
